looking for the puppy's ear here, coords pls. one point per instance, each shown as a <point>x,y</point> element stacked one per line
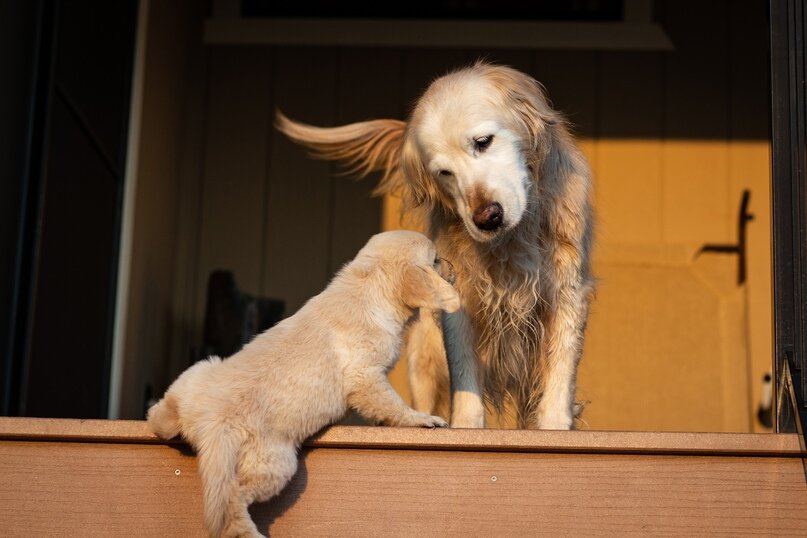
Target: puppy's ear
<point>424,288</point>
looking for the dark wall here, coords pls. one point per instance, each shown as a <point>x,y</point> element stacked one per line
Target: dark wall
<point>74,78</point>
<point>18,50</point>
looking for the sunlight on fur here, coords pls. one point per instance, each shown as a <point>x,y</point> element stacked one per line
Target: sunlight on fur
<point>247,415</point>
<point>503,189</point>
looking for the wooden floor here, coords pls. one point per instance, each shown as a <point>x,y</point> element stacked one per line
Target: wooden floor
<point>114,478</point>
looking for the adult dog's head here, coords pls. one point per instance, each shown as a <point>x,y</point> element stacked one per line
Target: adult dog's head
<point>472,148</point>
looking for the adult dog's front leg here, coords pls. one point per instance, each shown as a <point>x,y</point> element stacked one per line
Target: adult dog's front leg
<point>568,285</point>
<point>564,337</point>
<point>464,368</point>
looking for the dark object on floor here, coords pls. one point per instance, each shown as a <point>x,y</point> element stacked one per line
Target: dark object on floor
<point>765,410</point>
<point>233,317</point>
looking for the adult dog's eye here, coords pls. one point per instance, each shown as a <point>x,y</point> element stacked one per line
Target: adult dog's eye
<point>436,261</point>
<point>445,173</point>
<point>482,143</point>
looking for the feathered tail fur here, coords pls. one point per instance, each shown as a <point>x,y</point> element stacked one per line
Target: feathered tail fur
<point>363,147</point>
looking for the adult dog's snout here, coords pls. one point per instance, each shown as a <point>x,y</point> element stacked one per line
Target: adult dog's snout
<point>489,217</point>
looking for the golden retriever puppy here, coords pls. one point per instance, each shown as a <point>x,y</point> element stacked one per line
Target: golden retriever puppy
<point>504,191</point>
<point>247,415</point>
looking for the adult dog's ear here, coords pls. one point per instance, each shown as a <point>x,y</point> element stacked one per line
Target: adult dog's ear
<point>424,288</point>
<point>525,97</point>
<point>421,186</point>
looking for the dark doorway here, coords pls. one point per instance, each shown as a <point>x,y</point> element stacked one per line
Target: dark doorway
<point>71,86</point>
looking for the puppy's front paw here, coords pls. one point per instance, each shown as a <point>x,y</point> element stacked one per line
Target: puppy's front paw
<point>436,422</point>
<point>424,420</point>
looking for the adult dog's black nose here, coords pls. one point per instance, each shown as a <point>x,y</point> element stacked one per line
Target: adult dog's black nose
<point>489,217</point>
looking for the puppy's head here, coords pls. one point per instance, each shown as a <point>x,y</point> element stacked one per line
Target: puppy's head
<point>473,145</point>
<point>409,262</point>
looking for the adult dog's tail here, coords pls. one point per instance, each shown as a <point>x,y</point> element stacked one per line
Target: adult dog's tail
<point>363,147</point>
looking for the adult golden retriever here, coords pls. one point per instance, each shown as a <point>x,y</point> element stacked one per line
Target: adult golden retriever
<point>504,191</point>
<point>246,416</point>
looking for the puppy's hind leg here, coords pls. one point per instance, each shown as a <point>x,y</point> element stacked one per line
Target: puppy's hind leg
<point>218,456</point>
<point>266,466</point>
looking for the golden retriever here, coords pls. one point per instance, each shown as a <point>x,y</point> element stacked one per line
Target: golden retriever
<point>492,170</point>
<point>247,415</point>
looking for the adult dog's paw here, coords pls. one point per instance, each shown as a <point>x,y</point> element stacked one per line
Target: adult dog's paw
<point>555,421</point>
<point>469,420</point>
<point>468,410</point>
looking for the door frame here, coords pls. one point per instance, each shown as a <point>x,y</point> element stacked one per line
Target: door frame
<point>788,99</point>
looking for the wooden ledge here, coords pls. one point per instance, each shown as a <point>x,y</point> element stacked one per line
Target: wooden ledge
<point>488,440</point>
<point>110,478</point>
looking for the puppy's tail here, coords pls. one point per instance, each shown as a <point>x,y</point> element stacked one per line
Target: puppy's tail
<point>163,417</point>
<point>218,457</point>
<point>363,147</point>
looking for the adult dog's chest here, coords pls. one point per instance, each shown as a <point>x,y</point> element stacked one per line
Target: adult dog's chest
<point>505,300</point>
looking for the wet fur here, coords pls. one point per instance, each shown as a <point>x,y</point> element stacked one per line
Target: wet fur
<point>247,415</point>
<point>526,289</point>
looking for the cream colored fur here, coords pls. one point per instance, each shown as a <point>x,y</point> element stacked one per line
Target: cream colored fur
<point>526,286</point>
<point>247,415</point>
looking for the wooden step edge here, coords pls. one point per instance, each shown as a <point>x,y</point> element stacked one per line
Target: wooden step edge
<point>491,440</point>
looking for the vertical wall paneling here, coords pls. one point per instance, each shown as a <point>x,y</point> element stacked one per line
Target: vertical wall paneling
<point>629,149</point>
<point>749,168</point>
<point>235,167</point>
<point>422,66</point>
<point>628,202</point>
<point>187,330</point>
<point>517,59</point>
<point>697,191</point>
<point>297,217</point>
<point>571,80</point>
<point>696,123</point>
<point>368,87</point>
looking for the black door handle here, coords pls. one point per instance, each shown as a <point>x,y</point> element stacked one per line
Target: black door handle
<point>740,248</point>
